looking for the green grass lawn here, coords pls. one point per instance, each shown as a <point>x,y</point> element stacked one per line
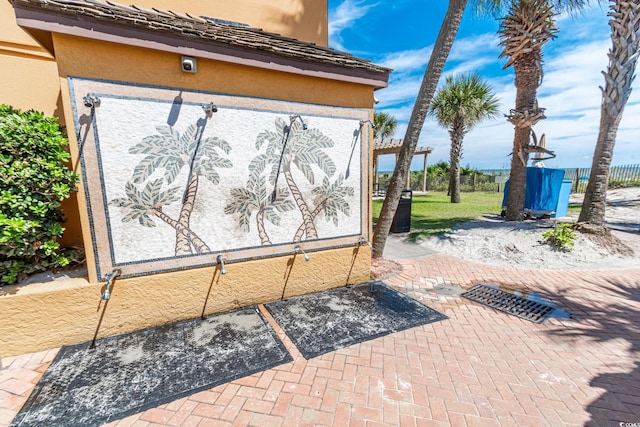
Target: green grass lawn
<point>432,213</point>
<point>574,207</point>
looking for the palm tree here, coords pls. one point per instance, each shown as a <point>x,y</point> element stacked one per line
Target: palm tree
<point>448,31</point>
<point>142,205</point>
<point>462,103</point>
<point>385,125</point>
<point>623,57</point>
<point>294,145</point>
<point>446,36</point>
<point>254,198</point>
<point>528,25</point>
<point>172,151</point>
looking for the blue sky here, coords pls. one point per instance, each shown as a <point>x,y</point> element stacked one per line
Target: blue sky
<point>401,34</point>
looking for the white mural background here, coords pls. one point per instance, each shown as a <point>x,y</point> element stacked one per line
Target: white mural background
<point>238,153</point>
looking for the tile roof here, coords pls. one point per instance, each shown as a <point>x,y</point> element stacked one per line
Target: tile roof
<point>193,27</point>
<point>393,146</point>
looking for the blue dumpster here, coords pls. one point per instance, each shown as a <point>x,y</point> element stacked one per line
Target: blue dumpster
<point>563,200</point>
<point>542,191</point>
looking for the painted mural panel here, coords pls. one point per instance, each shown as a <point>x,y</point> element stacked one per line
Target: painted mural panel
<point>175,177</point>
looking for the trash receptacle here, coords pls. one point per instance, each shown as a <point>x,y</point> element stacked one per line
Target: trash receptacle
<point>402,219</point>
<point>563,200</point>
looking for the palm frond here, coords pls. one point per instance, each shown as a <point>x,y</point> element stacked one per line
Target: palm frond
<point>209,143</point>
<point>272,216</point>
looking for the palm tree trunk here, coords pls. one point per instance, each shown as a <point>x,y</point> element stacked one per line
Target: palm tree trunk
<point>518,176</point>
<point>454,170</point>
<point>192,238</point>
<point>314,214</point>
<point>625,35</point>
<point>307,219</point>
<point>183,246</point>
<point>593,206</point>
<point>447,35</point>
<point>262,232</point>
<point>523,117</point>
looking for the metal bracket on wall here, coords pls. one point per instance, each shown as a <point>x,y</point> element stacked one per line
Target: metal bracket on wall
<point>91,101</point>
<point>209,109</point>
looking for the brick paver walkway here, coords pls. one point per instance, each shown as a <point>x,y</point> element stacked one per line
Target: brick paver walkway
<point>479,367</point>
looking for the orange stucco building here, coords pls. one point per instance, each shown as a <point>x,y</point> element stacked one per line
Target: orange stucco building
<point>277,64</point>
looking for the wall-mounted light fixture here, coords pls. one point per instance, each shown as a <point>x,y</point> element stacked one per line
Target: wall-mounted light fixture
<point>188,64</point>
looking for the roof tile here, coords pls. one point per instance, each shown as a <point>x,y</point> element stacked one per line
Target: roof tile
<point>187,26</point>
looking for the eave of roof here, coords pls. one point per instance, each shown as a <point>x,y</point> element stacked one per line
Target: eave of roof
<point>193,36</point>
<point>392,146</point>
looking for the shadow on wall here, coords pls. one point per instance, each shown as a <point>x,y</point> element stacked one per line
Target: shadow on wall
<point>610,315</point>
<point>302,14</point>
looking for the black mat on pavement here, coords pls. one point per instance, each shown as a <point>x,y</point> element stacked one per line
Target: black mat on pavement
<point>330,320</point>
<point>128,373</point>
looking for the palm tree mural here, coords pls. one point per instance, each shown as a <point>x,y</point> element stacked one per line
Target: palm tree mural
<point>293,145</point>
<point>623,57</point>
<point>255,198</point>
<point>148,203</point>
<point>463,102</point>
<point>330,199</point>
<point>170,151</point>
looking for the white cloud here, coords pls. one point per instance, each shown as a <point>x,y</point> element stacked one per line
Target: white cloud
<point>408,60</point>
<point>342,17</point>
<point>470,47</point>
<point>569,93</point>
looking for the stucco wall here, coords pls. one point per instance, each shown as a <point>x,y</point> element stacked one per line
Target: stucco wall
<point>305,20</point>
<point>32,70</point>
<point>28,71</point>
<point>108,61</point>
<point>47,315</point>
<point>51,314</point>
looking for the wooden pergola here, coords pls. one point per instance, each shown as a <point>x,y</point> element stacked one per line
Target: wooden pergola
<point>392,146</point>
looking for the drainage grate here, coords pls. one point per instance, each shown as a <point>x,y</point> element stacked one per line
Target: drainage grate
<point>509,303</point>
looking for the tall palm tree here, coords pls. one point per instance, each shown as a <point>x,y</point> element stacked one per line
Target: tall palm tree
<point>448,31</point>
<point>441,49</point>
<point>463,102</point>
<point>172,151</point>
<point>294,145</point>
<point>254,197</point>
<point>385,125</point>
<point>527,26</point>
<point>623,57</point>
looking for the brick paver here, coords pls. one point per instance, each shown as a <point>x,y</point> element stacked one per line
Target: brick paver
<point>477,368</point>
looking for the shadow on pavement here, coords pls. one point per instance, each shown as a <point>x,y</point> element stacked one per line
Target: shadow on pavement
<point>608,312</point>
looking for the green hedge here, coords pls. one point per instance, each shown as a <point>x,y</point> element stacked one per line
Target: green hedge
<point>33,182</point>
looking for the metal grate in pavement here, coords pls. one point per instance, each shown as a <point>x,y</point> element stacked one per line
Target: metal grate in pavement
<point>527,309</point>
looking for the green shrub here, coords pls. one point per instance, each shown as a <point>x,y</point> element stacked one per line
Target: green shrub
<point>33,182</point>
<point>561,236</point>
